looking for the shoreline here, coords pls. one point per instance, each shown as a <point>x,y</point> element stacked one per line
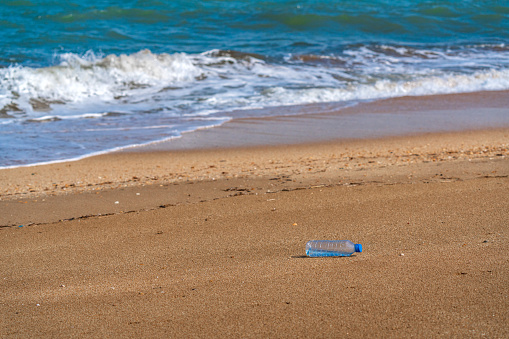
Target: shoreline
<point>383,118</point>
<point>210,242</point>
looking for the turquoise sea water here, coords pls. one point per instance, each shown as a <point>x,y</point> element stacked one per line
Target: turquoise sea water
<point>80,78</point>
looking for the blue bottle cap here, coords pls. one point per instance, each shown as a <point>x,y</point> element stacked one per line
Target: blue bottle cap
<point>358,248</point>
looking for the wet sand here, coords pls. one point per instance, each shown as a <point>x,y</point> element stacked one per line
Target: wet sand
<point>210,242</point>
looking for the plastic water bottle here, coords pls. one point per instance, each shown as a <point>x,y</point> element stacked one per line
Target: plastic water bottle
<point>331,248</point>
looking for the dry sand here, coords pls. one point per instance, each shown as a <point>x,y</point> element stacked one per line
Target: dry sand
<point>210,243</point>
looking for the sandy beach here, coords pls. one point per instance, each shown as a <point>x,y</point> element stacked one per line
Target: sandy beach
<point>209,242</point>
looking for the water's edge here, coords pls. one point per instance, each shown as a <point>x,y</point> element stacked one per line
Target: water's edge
<point>326,122</point>
<point>370,120</point>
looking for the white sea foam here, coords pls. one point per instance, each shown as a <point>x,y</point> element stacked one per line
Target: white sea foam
<point>69,117</point>
<point>479,81</point>
<point>109,79</point>
<point>203,84</point>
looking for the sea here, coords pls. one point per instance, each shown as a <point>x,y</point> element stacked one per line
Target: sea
<point>79,78</point>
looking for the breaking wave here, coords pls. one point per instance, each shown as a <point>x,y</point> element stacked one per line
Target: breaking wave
<point>201,84</point>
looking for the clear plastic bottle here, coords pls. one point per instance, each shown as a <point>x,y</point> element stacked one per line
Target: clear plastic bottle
<point>331,248</point>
